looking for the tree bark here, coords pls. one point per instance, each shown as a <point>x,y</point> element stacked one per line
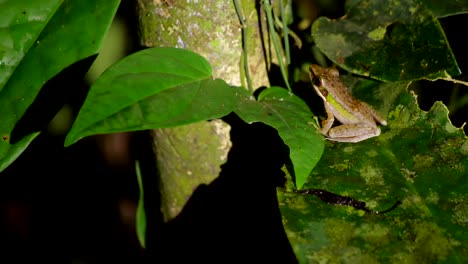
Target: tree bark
<point>191,155</point>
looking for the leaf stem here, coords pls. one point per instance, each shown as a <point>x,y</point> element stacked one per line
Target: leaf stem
<point>285,33</point>
<point>245,52</point>
<point>269,12</point>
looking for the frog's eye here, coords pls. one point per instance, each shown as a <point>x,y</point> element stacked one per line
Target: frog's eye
<point>317,81</point>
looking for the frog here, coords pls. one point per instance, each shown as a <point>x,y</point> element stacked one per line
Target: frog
<point>358,119</point>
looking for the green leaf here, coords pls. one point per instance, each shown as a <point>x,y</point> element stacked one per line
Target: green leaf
<point>446,8</point>
<point>153,88</point>
<point>420,159</point>
<point>21,21</point>
<point>437,7</point>
<point>387,40</point>
<point>140,224</point>
<point>75,32</point>
<point>291,117</point>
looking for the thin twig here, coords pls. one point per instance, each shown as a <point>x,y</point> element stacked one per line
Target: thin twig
<point>269,13</point>
<point>245,45</point>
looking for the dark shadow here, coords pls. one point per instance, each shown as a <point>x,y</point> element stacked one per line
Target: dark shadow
<point>236,218</point>
<point>51,98</point>
<point>143,152</point>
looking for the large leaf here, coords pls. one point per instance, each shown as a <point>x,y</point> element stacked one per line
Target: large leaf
<point>21,22</point>
<point>387,41</point>
<point>420,159</point>
<point>75,32</point>
<point>289,115</point>
<point>153,88</point>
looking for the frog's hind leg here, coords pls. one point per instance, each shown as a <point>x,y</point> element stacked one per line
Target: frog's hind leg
<point>375,115</point>
<point>353,133</point>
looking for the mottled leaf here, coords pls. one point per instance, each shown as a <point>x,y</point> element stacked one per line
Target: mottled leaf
<point>446,8</point>
<point>420,159</point>
<point>387,40</point>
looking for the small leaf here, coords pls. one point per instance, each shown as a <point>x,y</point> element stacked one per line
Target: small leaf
<point>388,41</point>
<point>153,88</point>
<point>290,116</point>
<point>140,214</point>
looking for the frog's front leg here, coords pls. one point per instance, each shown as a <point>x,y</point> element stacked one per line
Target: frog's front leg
<point>353,132</point>
<point>327,123</point>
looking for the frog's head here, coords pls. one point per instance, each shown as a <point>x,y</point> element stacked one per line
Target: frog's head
<point>323,79</point>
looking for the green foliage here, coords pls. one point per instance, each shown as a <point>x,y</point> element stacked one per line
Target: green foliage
<point>388,41</point>
<point>444,9</point>
<point>168,91</point>
<point>420,159</point>
<point>20,19</point>
<point>39,41</point>
<point>153,88</point>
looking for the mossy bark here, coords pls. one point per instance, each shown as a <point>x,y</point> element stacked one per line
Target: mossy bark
<point>191,155</point>
<point>210,28</point>
<point>188,156</point>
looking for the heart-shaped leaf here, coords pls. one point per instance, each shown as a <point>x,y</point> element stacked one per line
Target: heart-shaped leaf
<point>153,88</point>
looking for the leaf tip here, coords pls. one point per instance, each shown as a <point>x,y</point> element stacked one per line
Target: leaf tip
<point>300,183</point>
<point>70,140</point>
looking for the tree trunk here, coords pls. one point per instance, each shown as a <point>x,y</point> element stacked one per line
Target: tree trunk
<point>191,155</point>
<point>215,213</point>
